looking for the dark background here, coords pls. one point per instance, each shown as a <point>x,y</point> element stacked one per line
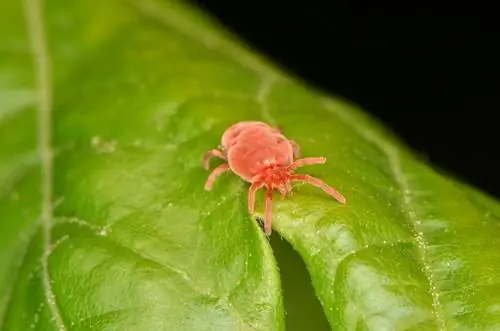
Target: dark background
<point>429,77</point>
<point>432,78</point>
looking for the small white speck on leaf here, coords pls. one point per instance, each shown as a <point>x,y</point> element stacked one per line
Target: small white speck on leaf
<point>103,146</point>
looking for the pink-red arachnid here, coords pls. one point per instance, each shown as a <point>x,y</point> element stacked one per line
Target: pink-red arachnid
<point>264,157</point>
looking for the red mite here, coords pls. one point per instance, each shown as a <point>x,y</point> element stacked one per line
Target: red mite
<point>264,157</point>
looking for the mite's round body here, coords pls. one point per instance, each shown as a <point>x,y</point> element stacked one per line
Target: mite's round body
<point>250,146</point>
<point>263,156</point>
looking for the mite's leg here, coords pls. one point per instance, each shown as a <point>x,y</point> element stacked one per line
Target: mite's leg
<point>269,206</point>
<point>216,173</point>
<point>209,155</point>
<point>306,161</point>
<point>296,149</point>
<point>295,146</point>
<point>251,195</point>
<point>318,183</point>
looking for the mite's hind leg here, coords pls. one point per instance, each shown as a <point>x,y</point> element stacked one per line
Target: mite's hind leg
<point>296,149</point>
<point>210,154</point>
<point>295,146</point>
<point>215,173</point>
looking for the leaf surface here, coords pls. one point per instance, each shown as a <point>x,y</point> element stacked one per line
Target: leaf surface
<point>107,108</point>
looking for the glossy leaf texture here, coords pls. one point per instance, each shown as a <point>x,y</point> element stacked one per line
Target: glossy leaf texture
<point>106,109</point>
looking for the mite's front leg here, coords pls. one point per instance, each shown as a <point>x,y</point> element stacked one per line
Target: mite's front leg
<point>320,184</point>
<point>268,215</point>
<point>251,195</point>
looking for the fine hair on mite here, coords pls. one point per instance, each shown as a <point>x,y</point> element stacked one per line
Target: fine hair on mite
<point>262,156</point>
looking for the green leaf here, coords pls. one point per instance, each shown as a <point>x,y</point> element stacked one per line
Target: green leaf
<point>106,109</point>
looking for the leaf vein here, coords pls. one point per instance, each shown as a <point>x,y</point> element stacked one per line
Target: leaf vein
<point>264,89</point>
<point>384,245</point>
<point>393,155</point>
<point>34,19</point>
<point>167,15</point>
<point>422,245</point>
<point>179,272</point>
<point>22,256</point>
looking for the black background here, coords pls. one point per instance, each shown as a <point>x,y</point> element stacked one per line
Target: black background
<point>430,77</point>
